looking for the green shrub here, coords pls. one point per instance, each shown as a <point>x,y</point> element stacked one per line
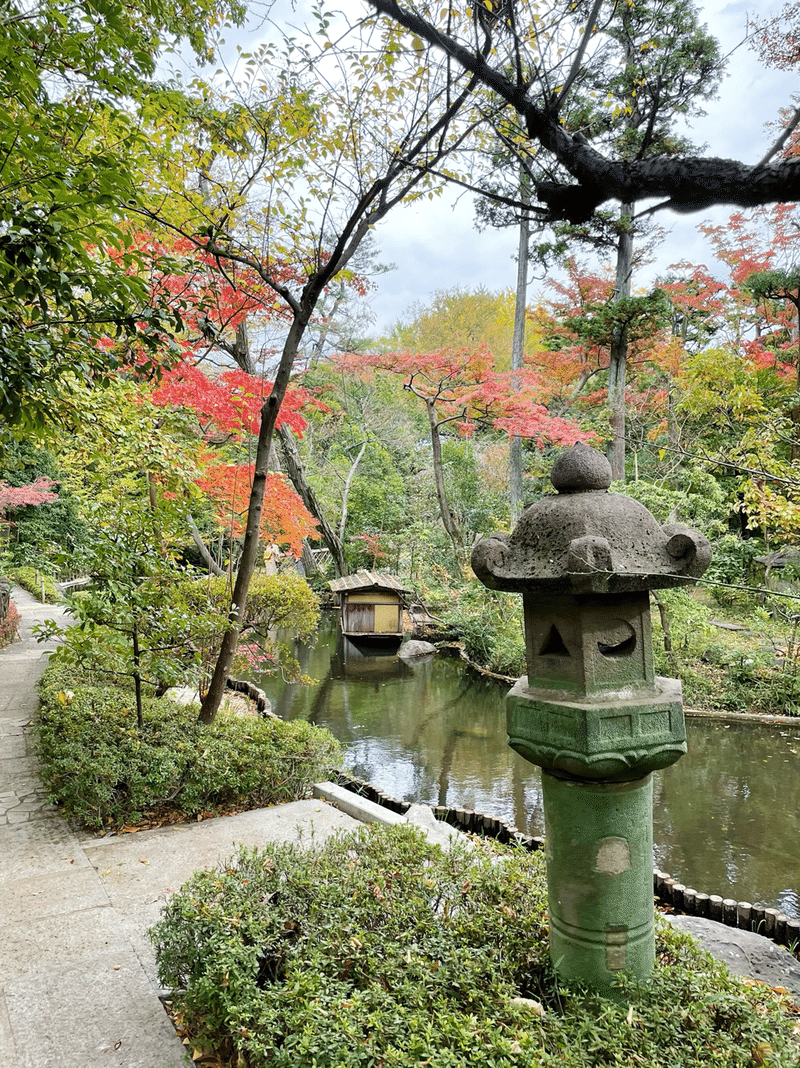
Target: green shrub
<point>732,565</point>
<point>757,684</point>
<point>489,624</point>
<point>284,601</point>
<point>35,582</point>
<point>375,949</point>
<point>101,769</point>
<point>681,621</point>
<point>690,496</point>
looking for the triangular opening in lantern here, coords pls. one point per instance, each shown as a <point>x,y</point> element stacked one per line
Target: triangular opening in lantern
<point>554,645</point>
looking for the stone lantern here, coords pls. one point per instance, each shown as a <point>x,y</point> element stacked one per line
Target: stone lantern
<point>591,713</point>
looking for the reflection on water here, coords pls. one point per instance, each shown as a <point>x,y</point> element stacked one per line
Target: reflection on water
<point>726,818</point>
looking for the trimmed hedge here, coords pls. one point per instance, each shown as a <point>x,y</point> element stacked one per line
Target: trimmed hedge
<point>103,771</point>
<point>35,583</point>
<point>375,949</point>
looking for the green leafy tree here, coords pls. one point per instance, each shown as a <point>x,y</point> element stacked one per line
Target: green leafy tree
<point>531,60</point>
<point>132,622</point>
<point>651,63</point>
<point>76,80</point>
<point>285,173</point>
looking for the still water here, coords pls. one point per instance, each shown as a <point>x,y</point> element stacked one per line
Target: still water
<point>726,816</point>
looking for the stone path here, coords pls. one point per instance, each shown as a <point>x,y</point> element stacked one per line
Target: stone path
<point>78,987</point>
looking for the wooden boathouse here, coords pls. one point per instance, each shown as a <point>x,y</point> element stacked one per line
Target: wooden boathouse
<point>370,606</point>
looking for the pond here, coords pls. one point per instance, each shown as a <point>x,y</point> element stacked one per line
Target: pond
<point>726,816</point>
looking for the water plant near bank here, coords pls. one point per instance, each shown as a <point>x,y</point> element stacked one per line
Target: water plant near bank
<point>105,771</point>
<point>377,949</point>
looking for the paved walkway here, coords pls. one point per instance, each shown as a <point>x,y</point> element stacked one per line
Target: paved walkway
<point>78,987</point>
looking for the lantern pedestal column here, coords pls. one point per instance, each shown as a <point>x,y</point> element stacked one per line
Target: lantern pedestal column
<point>599,840</point>
<point>591,713</point>
<point>597,755</point>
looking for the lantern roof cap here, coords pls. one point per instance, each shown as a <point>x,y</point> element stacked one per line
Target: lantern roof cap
<point>586,540</point>
<point>580,469</point>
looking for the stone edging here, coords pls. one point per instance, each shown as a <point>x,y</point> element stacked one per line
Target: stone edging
<point>753,719</point>
<point>771,923</point>
<point>257,696</point>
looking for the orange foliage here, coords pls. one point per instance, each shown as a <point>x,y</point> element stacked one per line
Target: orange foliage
<point>463,387</point>
<point>284,519</point>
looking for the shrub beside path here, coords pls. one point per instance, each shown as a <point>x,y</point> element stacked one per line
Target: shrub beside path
<point>77,975</point>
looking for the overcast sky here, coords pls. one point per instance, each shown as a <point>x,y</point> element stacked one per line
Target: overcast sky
<point>434,244</point>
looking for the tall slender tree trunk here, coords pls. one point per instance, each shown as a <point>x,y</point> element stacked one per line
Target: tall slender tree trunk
<point>137,676</point>
<point>518,351</point>
<point>794,414</point>
<point>247,561</point>
<point>448,519</point>
<point>618,353</point>
<point>297,475</point>
<point>346,491</point>
<point>201,546</point>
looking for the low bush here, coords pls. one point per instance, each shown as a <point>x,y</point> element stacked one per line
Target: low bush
<point>103,770</point>
<point>731,572</point>
<point>35,582</point>
<point>8,626</point>
<point>375,949</point>
<point>489,625</point>
<point>755,684</point>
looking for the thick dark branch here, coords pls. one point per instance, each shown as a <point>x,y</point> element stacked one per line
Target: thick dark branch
<point>689,184</point>
<point>784,137</point>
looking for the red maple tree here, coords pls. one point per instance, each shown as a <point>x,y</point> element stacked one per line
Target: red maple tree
<point>284,518</point>
<point>37,492</point>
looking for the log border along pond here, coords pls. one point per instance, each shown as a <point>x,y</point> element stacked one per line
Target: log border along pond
<point>771,923</point>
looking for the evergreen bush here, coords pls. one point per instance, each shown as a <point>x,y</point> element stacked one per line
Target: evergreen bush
<point>489,625</point>
<point>103,770</point>
<point>377,949</point>
<point>35,582</point>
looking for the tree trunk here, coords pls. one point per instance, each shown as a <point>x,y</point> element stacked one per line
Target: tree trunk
<point>518,353</point>
<point>297,475</point>
<point>137,677</point>
<point>247,562</point>
<point>663,612</point>
<point>618,353</point>
<point>448,518</point>
<point>346,490</point>
<point>307,559</point>
<point>794,414</point>
<point>691,184</point>
<point>202,548</point>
